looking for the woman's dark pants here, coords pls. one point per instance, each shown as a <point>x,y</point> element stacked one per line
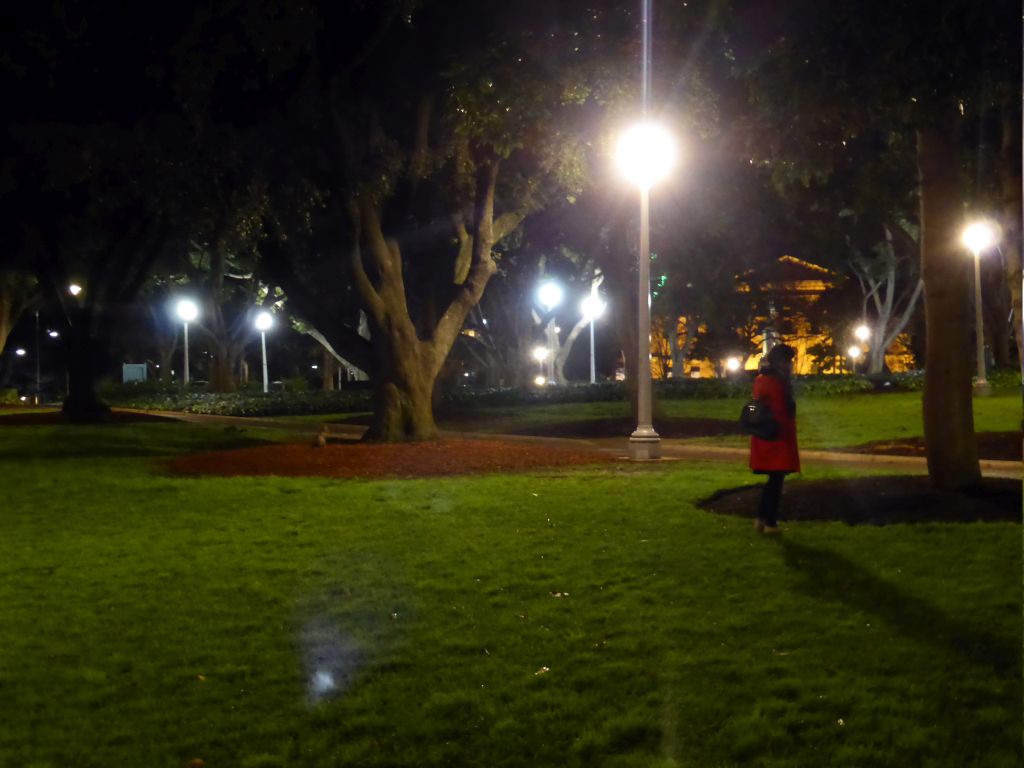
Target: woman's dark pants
<point>771,495</point>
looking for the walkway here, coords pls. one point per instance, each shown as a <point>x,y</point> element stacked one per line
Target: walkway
<point>670,449</point>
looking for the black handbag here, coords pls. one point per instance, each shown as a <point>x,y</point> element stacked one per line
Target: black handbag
<point>757,419</point>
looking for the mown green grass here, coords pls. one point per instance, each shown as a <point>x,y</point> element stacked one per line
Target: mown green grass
<point>150,619</point>
<point>823,422</point>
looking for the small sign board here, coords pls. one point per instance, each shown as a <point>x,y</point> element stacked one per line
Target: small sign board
<point>133,372</point>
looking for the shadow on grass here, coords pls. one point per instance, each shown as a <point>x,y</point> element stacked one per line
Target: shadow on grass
<point>118,441</point>
<point>828,575</point>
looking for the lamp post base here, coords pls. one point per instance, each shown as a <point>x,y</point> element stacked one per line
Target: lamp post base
<point>645,447</point>
<point>982,388</point>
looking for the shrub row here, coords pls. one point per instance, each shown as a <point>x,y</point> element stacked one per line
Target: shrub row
<point>255,403</point>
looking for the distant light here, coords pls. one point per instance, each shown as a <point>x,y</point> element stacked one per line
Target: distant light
<point>646,154</point>
<point>53,334</point>
<point>854,352</point>
<point>540,381</point>
<point>732,364</point>
<point>187,310</point>
<point>263,321</point>
<point>485,321</point>
<point>74,289</point>
<point>979,236</point>
<point>20,352</point>
<point>466,375</point>
<point>158,365</point>
<point>862,332</point>
<point>592,307</point>
<point>23,398</point>
<point>550,295</point>
<point>314,367</point>
<point>540,354</point>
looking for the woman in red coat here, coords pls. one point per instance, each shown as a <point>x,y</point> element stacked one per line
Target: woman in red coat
<point>775,458</point>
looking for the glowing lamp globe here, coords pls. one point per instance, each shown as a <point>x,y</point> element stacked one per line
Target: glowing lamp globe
<point>187,310</point>
<point>732,364</point>
<point>853,353</point>
<point>979,237</point>
<point>645,154</point>
<point>862,332</point>
<point>540,354</point>
<point>263,321</point>
<point>550,295</point>
<point>592,307</point>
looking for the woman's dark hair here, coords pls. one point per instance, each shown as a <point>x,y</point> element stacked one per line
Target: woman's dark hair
<point>780,353</point>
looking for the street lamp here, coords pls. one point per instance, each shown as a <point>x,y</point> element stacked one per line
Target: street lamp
<point>187,311</point>
<point>540,354</point>
<point>732,364</point>
<point>550,296</point>
<point>645,156</point>
<point>74,289</point>
<point>978,237</point>
<point>854,354</point>
<point>862,332</point>
<point>263,322</point>
<point>592,308</point>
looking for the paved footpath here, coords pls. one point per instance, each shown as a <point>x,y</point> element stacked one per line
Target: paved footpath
<point>671,450</point>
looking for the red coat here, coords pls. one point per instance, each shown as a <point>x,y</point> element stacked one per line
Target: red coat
<point>781,454</point>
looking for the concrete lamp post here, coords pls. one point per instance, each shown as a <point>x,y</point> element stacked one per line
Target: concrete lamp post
<point>187,312</point>
<point>592,308</point>
<point>549,295</point>
<point>978,237</point>
<point>264,320</point>
<point>646,154</point>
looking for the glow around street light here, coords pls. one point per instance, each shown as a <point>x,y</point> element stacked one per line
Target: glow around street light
<point>20,352</point>
<point>549,295</point>
<point>53,334</point>
<point>187,310</point>
<point>732,364</point>
<point>646,154</point>
<point>862,333</point>
<point>74,289</point>
<point>592,307</point>
<point>263,321</point>
<point>540,381</point>
<point>854,353</point>
<point>540,354</point>
<point>979,236</point>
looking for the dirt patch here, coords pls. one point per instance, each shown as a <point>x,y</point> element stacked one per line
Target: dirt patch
<point>1001,446</point>
<point>878,501</point>
<point>444,457</point>
<point>619,427</point>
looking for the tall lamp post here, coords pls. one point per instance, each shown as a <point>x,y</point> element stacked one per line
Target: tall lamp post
<point>550,296</point>
<point>263,322</point>
<point>646,153</point>
<point>187,311</point>
<point>979,237</point>
<point>592,308</point>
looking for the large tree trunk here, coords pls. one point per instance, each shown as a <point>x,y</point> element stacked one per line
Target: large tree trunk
<point>1010,178</point>
<point>223,367</point>
<point>407,367</point>
<point>86,350</point>
<point>948,416</point>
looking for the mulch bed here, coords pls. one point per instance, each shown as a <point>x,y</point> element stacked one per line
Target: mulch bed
<point>444,457</point>
<point>881,500</point>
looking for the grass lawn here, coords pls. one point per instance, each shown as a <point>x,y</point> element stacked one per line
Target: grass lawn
<point>823,422</point>
<point>564,618</point>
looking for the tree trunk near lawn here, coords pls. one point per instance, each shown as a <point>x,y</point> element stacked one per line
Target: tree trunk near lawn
<point>86,355</point>
<point>223,365</point>
<point>948,410</point>
<point>1010,182</point>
